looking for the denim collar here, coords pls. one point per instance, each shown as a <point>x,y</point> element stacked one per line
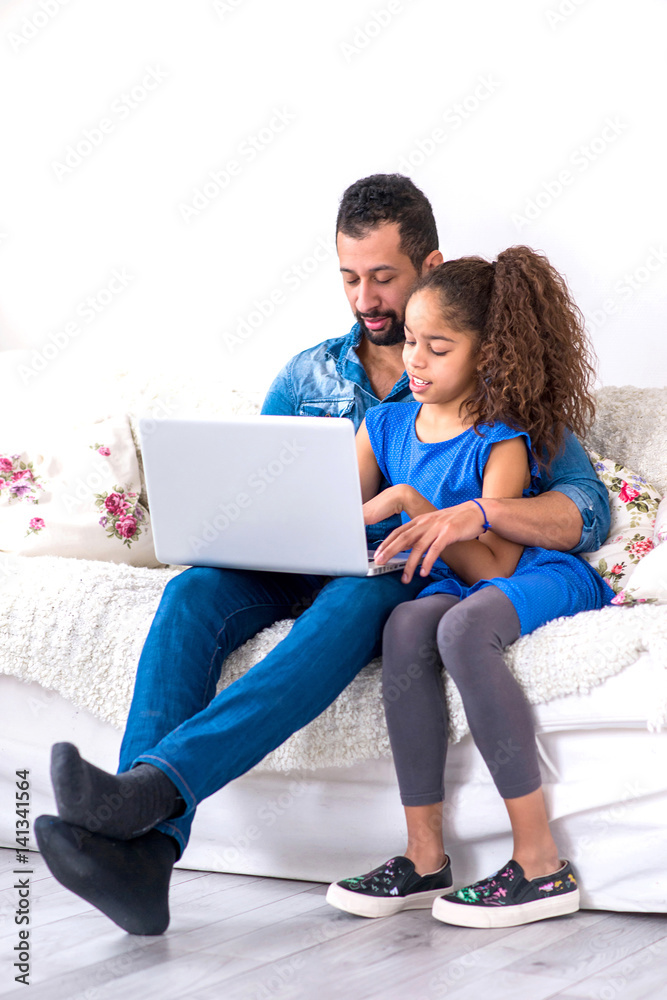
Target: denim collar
<point>343,354</point>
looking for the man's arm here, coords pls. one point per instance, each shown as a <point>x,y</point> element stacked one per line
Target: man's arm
<point>460,541</point>
<point>572,475</point>
<point>550,520</point>
<point>572,516</point>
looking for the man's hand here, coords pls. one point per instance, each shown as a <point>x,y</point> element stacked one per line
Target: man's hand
<point>429,534</point>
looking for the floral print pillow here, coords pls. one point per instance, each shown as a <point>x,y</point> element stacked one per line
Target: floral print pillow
<point>18,480</point>
<point>648,583</point>
<point>660,530</point>
<point>78,499</point>
<point>634,504</point>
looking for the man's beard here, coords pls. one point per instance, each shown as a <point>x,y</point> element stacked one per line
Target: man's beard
<point>383,338</point>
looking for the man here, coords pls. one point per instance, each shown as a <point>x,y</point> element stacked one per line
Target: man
<point>117,837</point>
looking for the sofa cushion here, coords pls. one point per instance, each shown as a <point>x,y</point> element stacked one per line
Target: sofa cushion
<point>77,498</point>
<point>634,504</point>
<point>78,627</point>
<point>648,583</point>
<point>660,530</point>
<point>631,426</point>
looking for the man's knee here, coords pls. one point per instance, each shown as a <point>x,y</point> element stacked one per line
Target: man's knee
<point>191,584</point>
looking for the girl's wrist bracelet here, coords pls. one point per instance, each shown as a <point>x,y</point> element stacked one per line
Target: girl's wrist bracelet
<point>486,524</point>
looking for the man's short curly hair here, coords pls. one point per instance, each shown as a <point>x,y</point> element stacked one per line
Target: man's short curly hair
<point>386,198</point>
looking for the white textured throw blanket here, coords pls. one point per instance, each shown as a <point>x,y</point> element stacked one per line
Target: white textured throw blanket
<point>78,627</point>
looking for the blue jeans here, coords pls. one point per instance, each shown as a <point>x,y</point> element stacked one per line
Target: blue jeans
<point>202,740</point>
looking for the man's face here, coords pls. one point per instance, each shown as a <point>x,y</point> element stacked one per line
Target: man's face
<point>377,278</point>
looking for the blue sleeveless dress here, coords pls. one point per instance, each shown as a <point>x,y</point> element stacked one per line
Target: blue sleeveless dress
<point>546,584</point>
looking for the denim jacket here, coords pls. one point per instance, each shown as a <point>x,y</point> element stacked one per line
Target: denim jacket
<point>329,381</point>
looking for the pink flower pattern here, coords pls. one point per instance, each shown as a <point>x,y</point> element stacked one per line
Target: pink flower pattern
<point>126,526</point>
<point>627,493</point>
<point>634,503</point>
<point>19,479</point>
<point>36,524</point>
<point>122,514</point>
<point>638,547</point>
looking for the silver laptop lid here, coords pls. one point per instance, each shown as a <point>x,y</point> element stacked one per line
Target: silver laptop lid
<point>264,493</point>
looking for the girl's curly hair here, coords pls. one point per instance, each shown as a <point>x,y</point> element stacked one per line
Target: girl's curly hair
<point>534,367</point>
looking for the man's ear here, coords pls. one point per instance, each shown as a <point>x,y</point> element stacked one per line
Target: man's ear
<point>433,259</point>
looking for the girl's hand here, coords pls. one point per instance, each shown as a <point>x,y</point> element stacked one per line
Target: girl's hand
<point>395,500</point>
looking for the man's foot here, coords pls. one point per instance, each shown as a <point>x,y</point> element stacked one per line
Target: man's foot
<point>121,806</point>
<point>507,899</point>
<point>127,881</point>
<point>388,889</point>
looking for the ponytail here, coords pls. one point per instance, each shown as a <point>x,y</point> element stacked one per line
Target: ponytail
<point>534,368</point>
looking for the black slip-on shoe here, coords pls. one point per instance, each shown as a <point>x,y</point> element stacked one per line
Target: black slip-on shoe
<point>392,887</point>
<point>507,898</point>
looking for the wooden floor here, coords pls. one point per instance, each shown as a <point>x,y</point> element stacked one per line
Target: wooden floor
<point>239,937</point>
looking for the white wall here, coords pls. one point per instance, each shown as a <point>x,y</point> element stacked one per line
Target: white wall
<point>539,82</point>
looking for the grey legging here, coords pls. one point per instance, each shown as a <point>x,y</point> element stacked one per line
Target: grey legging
<point>468,637</point>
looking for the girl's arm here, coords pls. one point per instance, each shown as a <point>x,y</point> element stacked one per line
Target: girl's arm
<point>393,500</point>
<point>369,470</point>
<point>506,474</point>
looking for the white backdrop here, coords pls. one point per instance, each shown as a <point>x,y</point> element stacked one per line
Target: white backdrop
<point>171,172</point>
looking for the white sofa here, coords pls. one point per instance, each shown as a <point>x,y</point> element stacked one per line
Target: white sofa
<point>325,805</point>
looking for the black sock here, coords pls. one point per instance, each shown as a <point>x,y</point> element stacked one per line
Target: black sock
<point>121,806</point>
<point>127,880</point>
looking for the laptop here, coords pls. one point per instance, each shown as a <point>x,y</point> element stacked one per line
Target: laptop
<point>261,493</point>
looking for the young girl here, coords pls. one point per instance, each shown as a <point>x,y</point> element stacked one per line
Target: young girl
<point>496,357</point>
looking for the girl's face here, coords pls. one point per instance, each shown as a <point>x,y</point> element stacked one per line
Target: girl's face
<point>440,362</point>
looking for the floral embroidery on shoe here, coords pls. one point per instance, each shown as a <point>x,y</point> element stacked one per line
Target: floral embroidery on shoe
<point>497,890</point>
<point>468,895</point>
